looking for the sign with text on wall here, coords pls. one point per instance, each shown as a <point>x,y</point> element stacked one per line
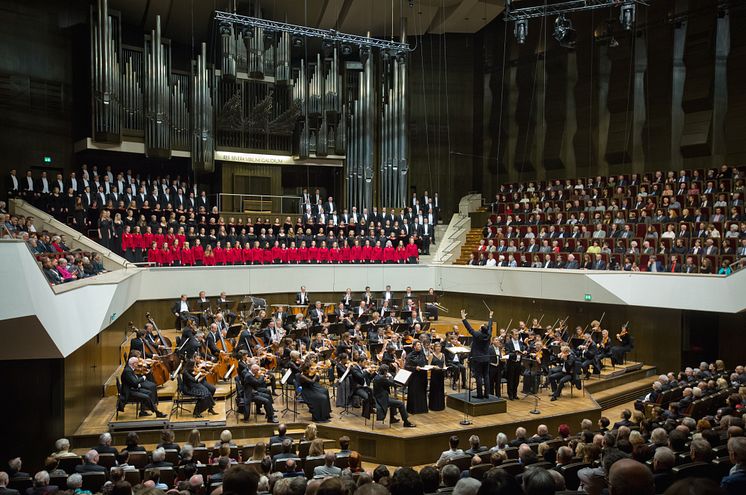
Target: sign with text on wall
<point>267,159</point>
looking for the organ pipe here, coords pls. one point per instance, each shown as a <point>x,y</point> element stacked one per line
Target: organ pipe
<point>105,75</point>
<point>203,139</point>
<point>157,95</point>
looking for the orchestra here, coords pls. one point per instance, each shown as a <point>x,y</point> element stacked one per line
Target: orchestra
<point>357,346</point>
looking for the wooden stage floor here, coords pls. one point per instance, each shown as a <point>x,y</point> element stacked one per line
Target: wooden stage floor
<point>393,445</point>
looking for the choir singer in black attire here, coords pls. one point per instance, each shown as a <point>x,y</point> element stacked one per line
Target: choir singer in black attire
<point>417,385</point>
<point>479,358</point>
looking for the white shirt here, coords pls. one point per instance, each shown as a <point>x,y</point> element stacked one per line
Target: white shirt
<point>15,183</point>
<point>183,307</point>
<point>44,185</point>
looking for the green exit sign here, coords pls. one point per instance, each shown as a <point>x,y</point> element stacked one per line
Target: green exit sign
<point>587,297</point>
<point>47,159</point>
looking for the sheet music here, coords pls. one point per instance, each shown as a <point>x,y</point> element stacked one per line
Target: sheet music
<point>458,350</point>
<point>344,375</point>
<point>402,376</point>
<point>430,367</point>
<point>286,376</point>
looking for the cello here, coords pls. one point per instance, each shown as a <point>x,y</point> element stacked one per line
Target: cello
<point>157,370</point>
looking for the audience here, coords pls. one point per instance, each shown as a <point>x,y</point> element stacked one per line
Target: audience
<point>626,222</point>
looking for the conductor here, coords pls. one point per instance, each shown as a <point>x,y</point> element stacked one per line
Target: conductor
<point>479,358</point>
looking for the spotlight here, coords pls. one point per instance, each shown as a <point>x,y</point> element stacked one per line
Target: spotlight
<point>247,33</point>
<point>225,28</point>
<point>627,14</point>
<point>520,30</point>
<point>364,53</point>
<point>269,36</point>
<point>297,41</point>
<point>328,47</point>
<point>564,33</point>
<point>346,50</point>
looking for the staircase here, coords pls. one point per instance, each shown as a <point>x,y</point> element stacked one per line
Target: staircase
<point>469,246</point>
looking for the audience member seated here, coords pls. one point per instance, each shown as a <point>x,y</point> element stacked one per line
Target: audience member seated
<point>328,469</point>
<point>90,463</point>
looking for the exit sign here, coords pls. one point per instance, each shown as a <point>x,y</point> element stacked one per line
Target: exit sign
<point>587,297</point>
<point>47,159</point>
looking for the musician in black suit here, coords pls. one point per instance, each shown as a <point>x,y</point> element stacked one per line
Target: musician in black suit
<point>212,339</point>
<point>515,348</point>
<point>479,359</point>
<point>496,367</point>
<point>590,356</point>
<point>302,297</point>
<point>565,373</point>
<point>317,313</point>
<point>139,388</point>
<point>360,381</point>
<point>256,390</point>
<point>189,342</point>
<point>180,309</point>
<point>382,384</point>
<point>194,386</point>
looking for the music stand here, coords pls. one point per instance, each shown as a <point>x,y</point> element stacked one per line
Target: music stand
<point>233,331</point>
<point>533,369</point>
<point>286,395</point>
<point>337,328</point>
<point>349,396</point>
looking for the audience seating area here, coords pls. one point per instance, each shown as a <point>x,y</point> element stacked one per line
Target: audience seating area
<point>663,448</point>
<point>690,221</point>
<point>59,263</point>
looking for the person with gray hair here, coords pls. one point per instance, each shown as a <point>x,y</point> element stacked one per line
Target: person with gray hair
<point>467,486</point>
<point>4,480</point>
<point>474,446</point>
<point>501,442</point>
<point>735,482</point>
<point>104,444</point>
<point>663,461</point>
<point>75,482</point>
<point>564,456</point>
<point>659,437</point>
<point>449,475</point>
<point>62,447</point>
<point>700,450</point>
<point>15,465</point>
<point>159,459</point>
<point>90,463</point>
<point>41,484</point>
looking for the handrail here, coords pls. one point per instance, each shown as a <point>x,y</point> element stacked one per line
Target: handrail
<point>278,203</point>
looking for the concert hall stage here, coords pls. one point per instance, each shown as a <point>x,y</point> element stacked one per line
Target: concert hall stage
<point>379,443</point>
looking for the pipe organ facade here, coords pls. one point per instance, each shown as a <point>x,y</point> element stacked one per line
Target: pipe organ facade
<point>258,90</point>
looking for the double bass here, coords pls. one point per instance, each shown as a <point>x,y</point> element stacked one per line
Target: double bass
<point>165,350</point>
<point>226,365</point>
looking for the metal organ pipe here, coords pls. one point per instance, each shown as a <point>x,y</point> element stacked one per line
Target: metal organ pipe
<point>203,142</point>
<point>157,96</point>
<point>105,74</point>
